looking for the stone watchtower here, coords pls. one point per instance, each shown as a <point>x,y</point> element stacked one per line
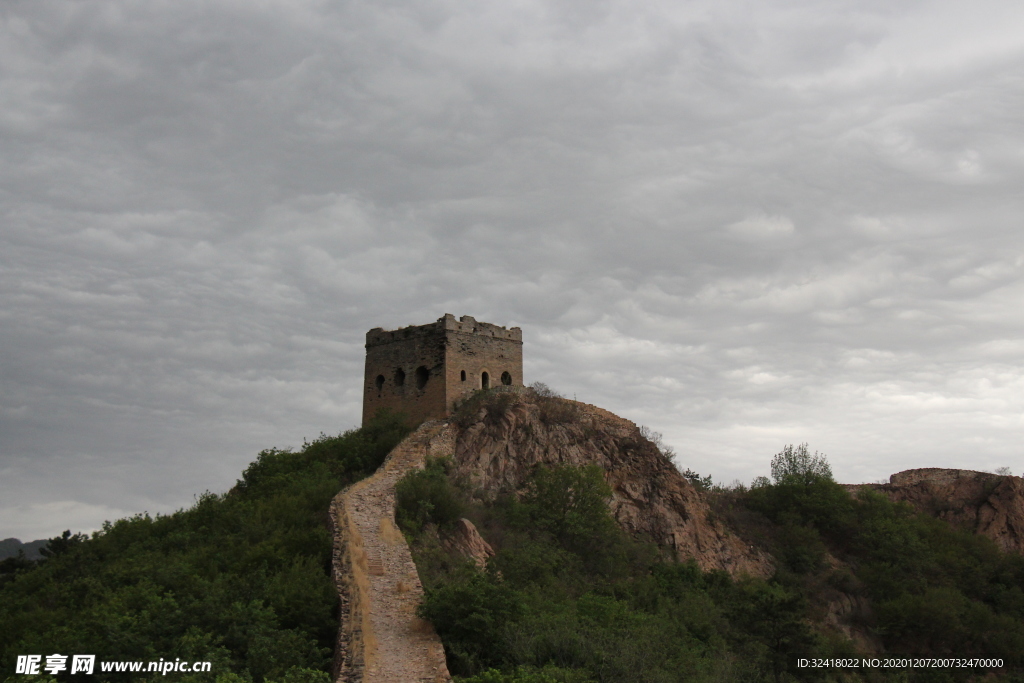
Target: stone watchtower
<point>424,369</point>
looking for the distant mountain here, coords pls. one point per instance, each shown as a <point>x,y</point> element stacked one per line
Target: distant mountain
<point>9,547</point>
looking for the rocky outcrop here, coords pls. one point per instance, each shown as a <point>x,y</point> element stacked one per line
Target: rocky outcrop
<point>381,640</point>
<point>499,447</point>
<point>988,504</point>
<point>465,540</point>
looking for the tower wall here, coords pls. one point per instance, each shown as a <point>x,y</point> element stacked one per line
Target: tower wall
<point>475,348</point>
<point>405,350</point>
<point>434,359</point>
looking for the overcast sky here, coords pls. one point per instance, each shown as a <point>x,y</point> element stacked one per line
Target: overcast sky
<point>743,224</point>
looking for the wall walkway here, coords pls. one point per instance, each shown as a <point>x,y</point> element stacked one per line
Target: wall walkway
<point>381,640</point>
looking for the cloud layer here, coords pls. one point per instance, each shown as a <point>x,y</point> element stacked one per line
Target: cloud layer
<point>741,224</point>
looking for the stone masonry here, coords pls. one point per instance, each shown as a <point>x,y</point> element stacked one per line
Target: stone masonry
<point>424,370</point>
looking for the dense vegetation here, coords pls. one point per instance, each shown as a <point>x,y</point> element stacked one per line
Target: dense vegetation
<point>240,579</point>
<point>569,598</point>
<point>936,591</point>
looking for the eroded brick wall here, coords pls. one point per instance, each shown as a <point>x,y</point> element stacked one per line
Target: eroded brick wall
<point>407,350</point>
<point>476,354</point>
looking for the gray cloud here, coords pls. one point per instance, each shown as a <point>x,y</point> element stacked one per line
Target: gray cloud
<point>742,226</point>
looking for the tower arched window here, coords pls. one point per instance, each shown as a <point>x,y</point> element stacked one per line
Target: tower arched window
<point>399,377</point>
<point>379,382</point>
<point>485,380</point>
<point>506,378</point>
<point>422,376</point>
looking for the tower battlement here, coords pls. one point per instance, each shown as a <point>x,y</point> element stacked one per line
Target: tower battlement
<point>466,324</point>
<point>423,370</point>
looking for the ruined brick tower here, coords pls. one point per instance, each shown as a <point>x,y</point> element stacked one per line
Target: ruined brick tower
<point>424,369</point>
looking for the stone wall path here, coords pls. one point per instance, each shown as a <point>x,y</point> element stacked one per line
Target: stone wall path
<point>381,640</point>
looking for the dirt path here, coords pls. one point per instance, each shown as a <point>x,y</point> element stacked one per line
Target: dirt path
<point>381,639</point>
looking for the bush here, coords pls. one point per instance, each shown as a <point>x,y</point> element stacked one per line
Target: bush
<point>62,544</point>
<point>553,408</point>
<point>471,613</point>
<point>801,547</point>
<point>777,618</point>
<point>569,597</point>
<point>669,454</point>
<point>541,390</point>
<point>571,503</point>
<point>494,402</point>
<point>823,504</point>
<point>427,497</point>
<point>700,483</point>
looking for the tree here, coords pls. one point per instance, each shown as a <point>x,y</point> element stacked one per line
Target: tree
<point>666,451</point>
<point>796,465</point>
<point>699,482</point>
<point>776,617</point>
<point>571,503</point>
<point>58,545</point>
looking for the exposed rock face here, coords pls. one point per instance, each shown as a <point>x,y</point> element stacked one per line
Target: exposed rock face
<point>499,449</point>
<point>988,504</point>
<point>468,542</point>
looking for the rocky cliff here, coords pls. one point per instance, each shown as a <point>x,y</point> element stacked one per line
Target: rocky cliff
<point>501,441</point>
<point>988,504</point>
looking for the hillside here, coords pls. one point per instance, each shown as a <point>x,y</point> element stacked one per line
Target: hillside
<point>527,573</point>
<point>10,547</point>
<point>240,579</point>
<point>545,541</point>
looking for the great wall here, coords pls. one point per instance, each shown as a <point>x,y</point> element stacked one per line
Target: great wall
<point>380,639</point>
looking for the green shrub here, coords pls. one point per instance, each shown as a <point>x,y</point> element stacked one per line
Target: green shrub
<point>471,614</point>
<point>427,497</point>
<point>821,503</point>
<point>529,674</point>
<point>494,403</point>
<point>700,483</point>
<point>801,547</point>
<point>571,503</point>
<point>571,597</point>
<point>777,617</point>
